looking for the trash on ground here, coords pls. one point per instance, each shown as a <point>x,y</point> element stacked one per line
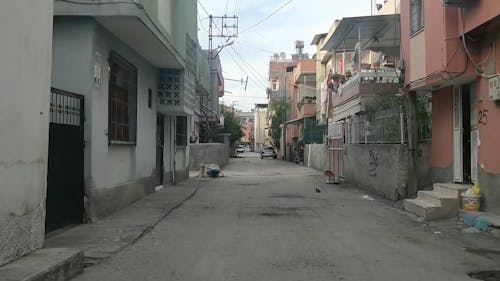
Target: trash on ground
<point>210,170</point>
<point>159,187</point>
<point>367,197</point>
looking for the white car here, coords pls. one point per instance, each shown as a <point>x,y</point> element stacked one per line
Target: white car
<point>240,149</point>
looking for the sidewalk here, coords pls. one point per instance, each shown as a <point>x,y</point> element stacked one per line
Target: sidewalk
<point>103,238</point>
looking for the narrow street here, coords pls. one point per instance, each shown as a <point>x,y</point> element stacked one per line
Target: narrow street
<point>265,221</point>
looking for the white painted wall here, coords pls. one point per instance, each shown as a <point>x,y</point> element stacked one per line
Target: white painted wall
<point>119,172</point>
<point>390,7</point>
<point>113,165</point>
<point>25,56</point>
<point>164,14</point>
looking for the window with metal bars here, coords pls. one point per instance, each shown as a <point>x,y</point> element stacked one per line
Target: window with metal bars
<point>416,15</point>
<point>122,114</point>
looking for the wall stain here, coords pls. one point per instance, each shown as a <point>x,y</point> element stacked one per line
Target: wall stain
<point>373,158</point>
<point>14,163</point>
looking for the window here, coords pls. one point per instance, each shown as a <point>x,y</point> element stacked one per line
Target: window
<point>416,15</point>
<point>275,86</point>
<point>181,131</point>
<point>122,111</point>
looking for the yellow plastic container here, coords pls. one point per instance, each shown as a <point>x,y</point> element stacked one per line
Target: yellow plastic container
<point>471,202</point>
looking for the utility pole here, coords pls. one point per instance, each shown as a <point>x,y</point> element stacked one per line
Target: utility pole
<point>412,145</point>
<point>226,27</point>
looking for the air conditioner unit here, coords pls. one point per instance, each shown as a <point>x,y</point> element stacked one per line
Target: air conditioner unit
<point>453,3</point>
<point>494,88</point>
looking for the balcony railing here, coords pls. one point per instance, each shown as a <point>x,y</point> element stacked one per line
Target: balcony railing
<point>176,92</point>
<point>369,82</point>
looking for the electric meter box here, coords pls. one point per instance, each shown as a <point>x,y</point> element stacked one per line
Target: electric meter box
<point>494,88</point>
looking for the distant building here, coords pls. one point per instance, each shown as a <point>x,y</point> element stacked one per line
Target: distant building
<point>261,134</point>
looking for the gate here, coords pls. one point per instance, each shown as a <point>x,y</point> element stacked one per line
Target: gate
<point>65,191</point>
<point>336,149</point>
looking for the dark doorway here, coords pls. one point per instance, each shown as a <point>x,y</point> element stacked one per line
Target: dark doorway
<point>160,143</point>
<point>466,143</point>
<point>65,192</point>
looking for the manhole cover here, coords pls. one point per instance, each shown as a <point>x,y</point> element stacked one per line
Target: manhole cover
<point>491,275</point>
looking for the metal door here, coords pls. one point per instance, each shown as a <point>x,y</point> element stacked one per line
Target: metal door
<point>336,149</point>
<point>65,192</point>
<point>160,143</point>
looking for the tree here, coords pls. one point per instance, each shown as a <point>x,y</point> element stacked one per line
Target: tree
<point>278,109</point>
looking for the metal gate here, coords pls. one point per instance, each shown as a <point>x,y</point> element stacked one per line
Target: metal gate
<point>65,192</point>
<point>336,149</point>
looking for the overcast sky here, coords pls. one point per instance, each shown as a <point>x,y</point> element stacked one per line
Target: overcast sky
<point>253,48</point>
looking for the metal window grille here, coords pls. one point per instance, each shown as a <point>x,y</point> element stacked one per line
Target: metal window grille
<point>66,108</point>
<point>122,100</point>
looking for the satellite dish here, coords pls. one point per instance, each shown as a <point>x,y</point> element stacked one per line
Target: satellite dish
<point>283,55</point>
<point>276,56</point>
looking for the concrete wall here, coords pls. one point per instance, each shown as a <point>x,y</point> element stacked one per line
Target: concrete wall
<point>383,168</point>
<point>208,153</point>
<point>115,175</point>
<point>25,56</point>
<point>316,156</point>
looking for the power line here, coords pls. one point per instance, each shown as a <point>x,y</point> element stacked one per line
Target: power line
<point>247,63</point>
<point>267,17</point>
<point>246,72</point>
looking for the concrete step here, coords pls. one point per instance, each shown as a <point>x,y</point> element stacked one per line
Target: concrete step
<point>451,189</point>
<point>439,199</point>
<point>48,264</point>
<point>420,208</point>
<point>430,211</point>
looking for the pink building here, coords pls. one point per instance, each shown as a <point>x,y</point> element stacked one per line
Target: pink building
<point>452,50</point>
<point>302,106</point>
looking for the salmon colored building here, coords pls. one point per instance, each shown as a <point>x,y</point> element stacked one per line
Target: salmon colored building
<point>302,107</point>
<point>451,48</point>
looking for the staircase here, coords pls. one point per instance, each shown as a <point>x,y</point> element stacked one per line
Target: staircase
<point>440,203</point>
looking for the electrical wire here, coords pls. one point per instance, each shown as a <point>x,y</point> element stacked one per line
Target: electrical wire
<point>267,17</point>
<point>244,71</point>
<point>252,78</point>
<point>247,63</point>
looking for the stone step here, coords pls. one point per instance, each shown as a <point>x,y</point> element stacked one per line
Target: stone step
<point>439,199</point>
<point>451,189</point>
<point>48,264</point>
<point>420,208</point>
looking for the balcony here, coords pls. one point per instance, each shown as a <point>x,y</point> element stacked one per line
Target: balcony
<point>367,83</point>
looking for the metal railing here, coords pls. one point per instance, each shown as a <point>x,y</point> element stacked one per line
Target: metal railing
<point>385,128</point>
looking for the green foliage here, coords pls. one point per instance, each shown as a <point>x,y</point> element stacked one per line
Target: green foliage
<point>231,126</point>
<point>278,109</point>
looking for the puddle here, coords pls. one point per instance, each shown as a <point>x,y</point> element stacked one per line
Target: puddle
<point>490,275</point>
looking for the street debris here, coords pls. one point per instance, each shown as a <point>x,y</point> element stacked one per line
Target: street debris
<point>159,187</point>
<point>367,197</point>
<point>317,190</point>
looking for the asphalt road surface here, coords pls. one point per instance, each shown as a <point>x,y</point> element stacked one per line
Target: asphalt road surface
<point>265,221</point>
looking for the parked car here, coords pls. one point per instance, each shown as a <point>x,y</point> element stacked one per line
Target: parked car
<point>268,151</point>
<point>240,149</point>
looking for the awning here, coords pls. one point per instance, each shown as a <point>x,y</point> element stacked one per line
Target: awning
<point>378,33</point>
